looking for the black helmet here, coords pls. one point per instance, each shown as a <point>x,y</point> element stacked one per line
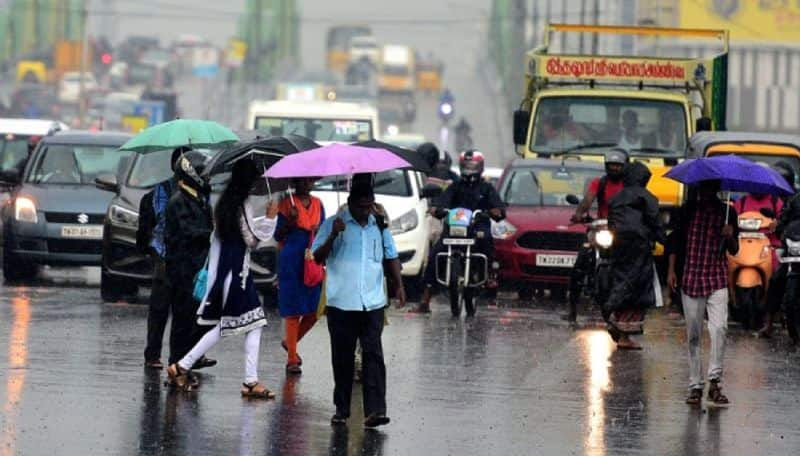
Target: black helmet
<point>189,168</point>
<point>616,156</point>
<point>429,153</point>
<point>785,170</point>
<point>471,165</point>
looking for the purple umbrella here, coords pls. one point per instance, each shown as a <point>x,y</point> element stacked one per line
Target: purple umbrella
<point>336,160</point>
<point>735,174</point>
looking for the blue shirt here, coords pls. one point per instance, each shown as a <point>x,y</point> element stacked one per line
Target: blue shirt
<point>354,269</point>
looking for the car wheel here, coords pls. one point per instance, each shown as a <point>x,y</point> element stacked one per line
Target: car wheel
<point>559,294</point>
<point>525,293</point>
<point>16,269</point>
<point>113,289</point>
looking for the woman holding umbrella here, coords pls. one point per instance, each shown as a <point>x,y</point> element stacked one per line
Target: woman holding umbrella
<point>299,218</point>
<point>231,302</point>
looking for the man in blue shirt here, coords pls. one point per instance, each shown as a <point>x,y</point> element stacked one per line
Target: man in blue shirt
<point>354,247</point>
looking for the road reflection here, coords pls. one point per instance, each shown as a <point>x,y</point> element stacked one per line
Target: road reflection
<point>17,359</point>
<point>597,348</point>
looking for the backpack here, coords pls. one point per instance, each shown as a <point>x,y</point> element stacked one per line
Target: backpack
<point>773,199</point>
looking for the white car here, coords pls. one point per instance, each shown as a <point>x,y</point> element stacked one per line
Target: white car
<point>400,193</point>
<point>69,89</point>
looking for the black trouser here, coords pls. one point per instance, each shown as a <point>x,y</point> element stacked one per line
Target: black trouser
<point>158,313</point>
<point>345,328</point>
<point>584,263</point>
<point>777,289</point>
<point>184,331</point>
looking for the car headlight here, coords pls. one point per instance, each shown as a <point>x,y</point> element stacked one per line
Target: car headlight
<point>604,238</point>
<point>750,224</point>
<point>121,216</point>
<point>503,229</point>
<point>25,210</point>
<point>404,223</point>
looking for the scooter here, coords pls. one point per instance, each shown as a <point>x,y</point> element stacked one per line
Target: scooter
<point>790,256</point>
<point>750,269</point>
<point>463,271</point>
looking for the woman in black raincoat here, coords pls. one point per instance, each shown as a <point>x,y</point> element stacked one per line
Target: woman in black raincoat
<point>633,218</point>
<point>187,234</point>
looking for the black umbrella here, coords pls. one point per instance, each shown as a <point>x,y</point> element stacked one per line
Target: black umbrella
<point>416,160</point>
<point>265,152</point>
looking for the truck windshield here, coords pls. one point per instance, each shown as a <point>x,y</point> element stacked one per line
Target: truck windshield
<point>643,127</point>
<point>528,186</point>
<point>338,130</point>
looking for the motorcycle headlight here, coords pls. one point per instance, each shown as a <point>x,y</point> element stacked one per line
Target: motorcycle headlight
<point>122,216</point>
<point>25,210</point>
<point>793,247</point>
<point>604,238</point>
<point>503,229</point>
<point>404,223</point>
<point>750,224</point>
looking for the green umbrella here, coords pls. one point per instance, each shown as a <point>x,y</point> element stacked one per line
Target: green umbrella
<point>203,134</point>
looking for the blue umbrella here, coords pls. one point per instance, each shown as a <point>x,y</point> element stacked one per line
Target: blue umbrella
<point>735,174</point>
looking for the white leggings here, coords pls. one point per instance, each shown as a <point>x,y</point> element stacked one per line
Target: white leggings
<point>252,343</point>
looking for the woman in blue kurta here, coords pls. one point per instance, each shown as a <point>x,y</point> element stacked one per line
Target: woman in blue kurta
<point>300,215</point>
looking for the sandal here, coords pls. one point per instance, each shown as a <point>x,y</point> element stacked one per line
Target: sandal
<point>695,397</point>
<point>179,378</point>
<point>256,390</point>
<point>154,364</point>
<point>293,369</point>
<point>627,344</point>
<point>286,348</point>
<point>715,394</point>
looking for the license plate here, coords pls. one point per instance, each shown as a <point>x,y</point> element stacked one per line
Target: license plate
<point>455,241</point>
<point>789,259</point>
<point>82,231</point>
<point>556,261</point>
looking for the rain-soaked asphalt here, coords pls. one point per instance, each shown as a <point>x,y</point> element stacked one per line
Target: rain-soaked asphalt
<point>513,381</point>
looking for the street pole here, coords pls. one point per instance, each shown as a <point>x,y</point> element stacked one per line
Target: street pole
<point>84,64</point>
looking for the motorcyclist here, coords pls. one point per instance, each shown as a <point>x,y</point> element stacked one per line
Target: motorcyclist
<point>777,283</point>
<point>470,192</point>
<point>440,174</point>
<point>601,189</point>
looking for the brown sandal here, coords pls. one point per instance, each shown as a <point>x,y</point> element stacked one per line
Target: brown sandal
<point>715,394</point>
<point>256,391</point>
<point>179,378</point>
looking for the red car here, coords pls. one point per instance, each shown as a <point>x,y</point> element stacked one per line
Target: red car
<point>536,245</point>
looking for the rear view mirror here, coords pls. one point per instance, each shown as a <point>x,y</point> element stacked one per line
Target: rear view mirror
<point>703,124</point>
<point>107,182</point>
<point>521,121</point>
<point>10,176</point>
<point>431,191</point>
<point>574,200</point>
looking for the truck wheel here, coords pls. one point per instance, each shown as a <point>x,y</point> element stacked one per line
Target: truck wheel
<point>15,269</point>
<point>114,289</point>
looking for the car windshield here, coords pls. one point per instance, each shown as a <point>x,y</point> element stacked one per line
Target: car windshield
<point>338,130</point>
<point>656,128</point>
<point>77,164</point>
<point>13,152</point>
<point>393,183</point>
<point>153,168</point>
<point>529,186</point>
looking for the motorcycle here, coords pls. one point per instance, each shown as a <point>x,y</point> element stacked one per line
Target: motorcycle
<point>790,256</point>
<point>750,269</point>
<point>463,271</point>
<point>598,284</point>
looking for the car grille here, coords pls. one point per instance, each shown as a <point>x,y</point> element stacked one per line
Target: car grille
<point>543,240</point>
<point>74,246</point>
<point>69,217</point>
<point>545,271</point>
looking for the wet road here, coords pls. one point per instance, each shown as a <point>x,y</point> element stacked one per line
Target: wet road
<point>512,381</point>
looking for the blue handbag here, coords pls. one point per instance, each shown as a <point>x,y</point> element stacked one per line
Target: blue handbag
<point>201,283</point>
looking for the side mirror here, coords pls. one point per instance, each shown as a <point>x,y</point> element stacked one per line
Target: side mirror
<point>10,176</point>
<point>431,191</point>
<point>574,200</point>
<point>107,182</point>
<point>703,124</point>
<point>521,121</point>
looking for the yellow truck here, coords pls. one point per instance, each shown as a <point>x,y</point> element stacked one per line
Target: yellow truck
<point>397,70</point>
<point>583,105</point>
